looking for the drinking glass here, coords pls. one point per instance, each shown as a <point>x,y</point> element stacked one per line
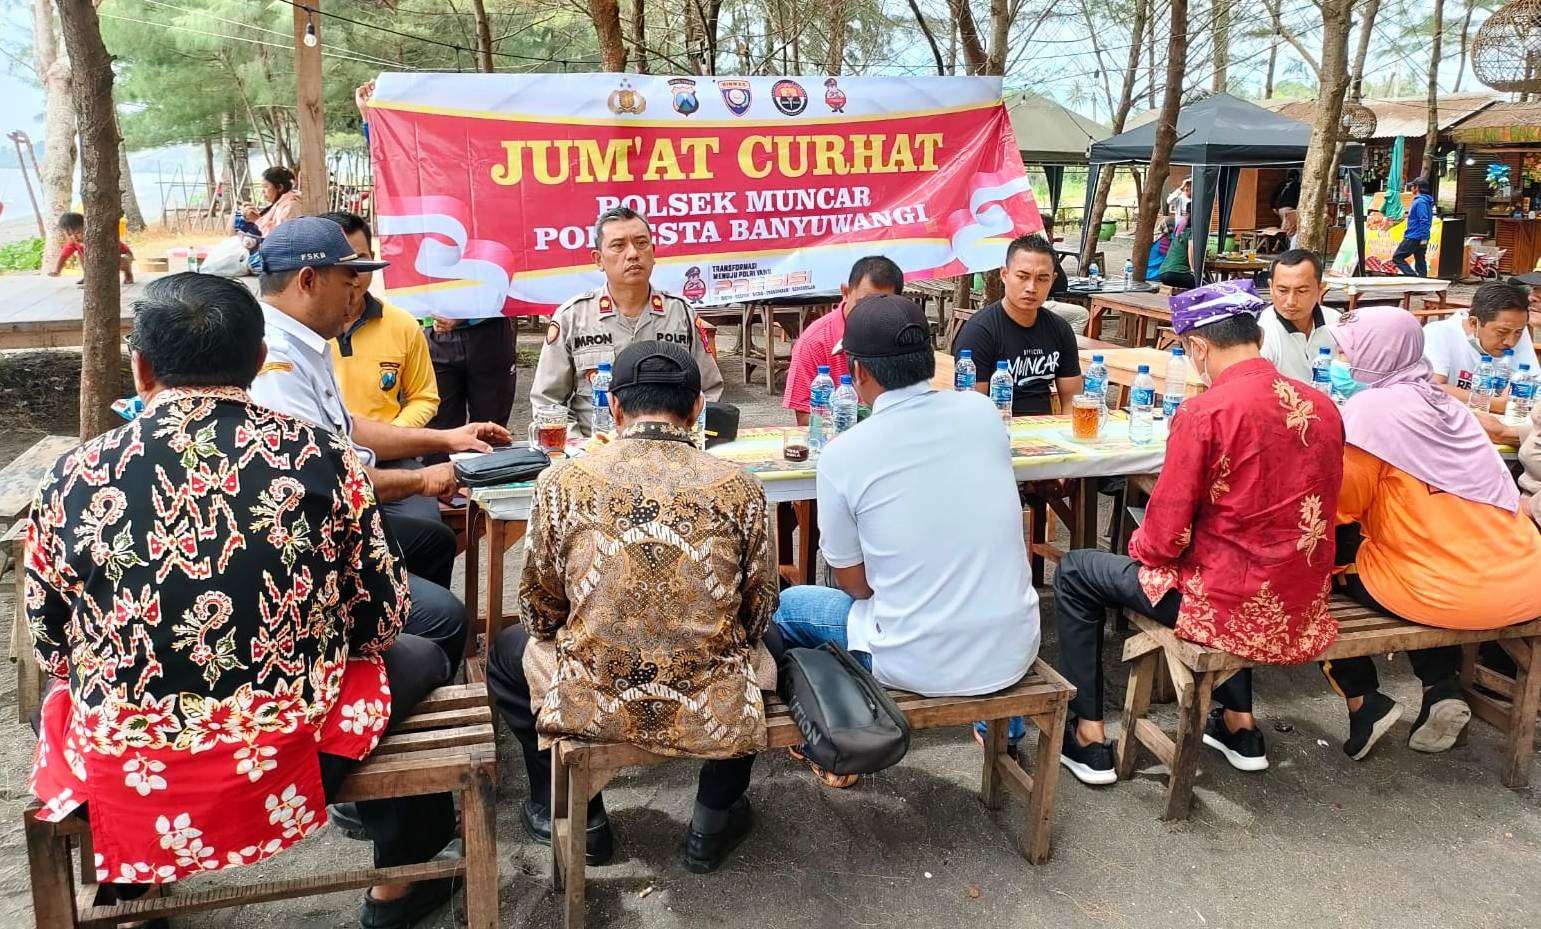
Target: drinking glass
<point>548,430</point>
<point>1086,416</point>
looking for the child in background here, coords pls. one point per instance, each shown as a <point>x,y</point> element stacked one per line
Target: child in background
<point>73,225</point>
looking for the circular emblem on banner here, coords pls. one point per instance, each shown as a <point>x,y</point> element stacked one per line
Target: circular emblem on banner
<point>695,288</point>
<point>735,95</point>
<point>684,96</point>
<point>789,97</point>
<point>626,101</point>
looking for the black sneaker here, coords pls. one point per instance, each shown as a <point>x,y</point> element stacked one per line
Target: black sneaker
<point>1091,764</point>
<point>1244,748</point>
<point>1441,720</point>
<point>598,841</point>
<point>705,851</point>
<point>1367,724</point>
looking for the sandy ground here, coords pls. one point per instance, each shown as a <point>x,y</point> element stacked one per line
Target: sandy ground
<point>1318,841</point>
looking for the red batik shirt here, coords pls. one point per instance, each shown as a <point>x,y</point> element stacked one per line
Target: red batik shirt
<point>1241,520</point>
<point>214,582</point>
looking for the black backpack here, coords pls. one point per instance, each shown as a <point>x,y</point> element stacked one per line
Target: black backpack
<point>850,724</point>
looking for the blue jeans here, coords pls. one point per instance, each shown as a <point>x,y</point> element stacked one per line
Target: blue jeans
<point>810,616</point>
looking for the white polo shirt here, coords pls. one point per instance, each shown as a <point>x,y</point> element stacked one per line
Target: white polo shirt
<point>1453,353</point>
<point>922,494</point>
<point>298,378</point>
<point>1291,350</point>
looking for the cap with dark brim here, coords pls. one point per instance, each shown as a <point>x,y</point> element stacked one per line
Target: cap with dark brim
<point>311,242</point>
<point>661,363</point>
<point>1532,279</point>
<point>885,326</point>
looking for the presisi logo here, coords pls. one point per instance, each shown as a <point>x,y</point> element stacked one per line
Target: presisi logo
<point>584,341</point>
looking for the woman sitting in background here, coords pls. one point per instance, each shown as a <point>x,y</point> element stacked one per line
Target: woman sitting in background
<point>1433,526</point>
<point>283,204</point>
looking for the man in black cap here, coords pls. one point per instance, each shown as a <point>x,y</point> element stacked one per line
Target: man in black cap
<point>646,588</point>
<point>933,592</point>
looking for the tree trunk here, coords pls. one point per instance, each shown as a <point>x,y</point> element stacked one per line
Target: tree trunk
<point>1366,30</point>
<point>713,26</point>
<point>1460,71</point>
<point>483,35</point>
<point>1093,220</point>
<point>1150,63</point>
<point>1431,143</point>
<point>91,89</point>
<point>695,36</point>
<point>211,179</point>
<point>1316,180</point>
<point>1221,10</point>
<point>639,35</point>
<point>1000,28</point>
<point>975,60</point>
<point>58,174</point>
<point>133,216</point>
<point>1166,135</point>
<point>835,60</point>
<point>606,15</point>
<point>925,30</point>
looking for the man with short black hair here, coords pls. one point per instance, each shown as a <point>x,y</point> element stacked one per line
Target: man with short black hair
<point>943,611</point>
<point>1236,549</point>
<point>1295,327</point>
<point>1497,320</point>
<point>234,644</point>
<point>592,327</point>
<point>1039,347</point>
<point>646,588</point>
<point>871,276</point>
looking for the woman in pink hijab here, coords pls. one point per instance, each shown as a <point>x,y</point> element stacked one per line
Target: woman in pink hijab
<point>1440,537</point>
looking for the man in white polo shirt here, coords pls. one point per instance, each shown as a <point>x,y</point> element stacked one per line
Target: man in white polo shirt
<point>919,520</point>
<point>1295,327</point>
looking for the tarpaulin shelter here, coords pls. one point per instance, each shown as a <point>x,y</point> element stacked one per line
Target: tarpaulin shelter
<point>1218,136</point>
<point>1051,137</point>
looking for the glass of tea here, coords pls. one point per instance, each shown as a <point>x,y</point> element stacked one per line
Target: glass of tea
<point>1086,415</point>
<point>548,430</point>
<point>794,444</point>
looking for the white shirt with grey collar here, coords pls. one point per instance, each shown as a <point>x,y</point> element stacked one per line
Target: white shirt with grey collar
<point>1291,350</point>
<point>298,378</point>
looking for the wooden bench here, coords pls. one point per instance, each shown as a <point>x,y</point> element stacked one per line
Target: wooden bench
<point>445,746</point>
<point>582,769</point>
<point>1196,670</point>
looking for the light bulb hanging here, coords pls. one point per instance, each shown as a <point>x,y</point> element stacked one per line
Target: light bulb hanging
<point>310,28</point>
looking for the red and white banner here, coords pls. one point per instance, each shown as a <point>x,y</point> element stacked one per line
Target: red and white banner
<point>487,185</point>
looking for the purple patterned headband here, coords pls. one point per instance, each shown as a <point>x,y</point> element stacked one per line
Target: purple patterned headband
<point>1214,302</point>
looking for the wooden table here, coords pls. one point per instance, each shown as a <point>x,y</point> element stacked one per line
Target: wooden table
<point>1042,450</point>
<point>37,311</point>
<point>802,310</point>
<point>1143,307</point>
<point>1228,268</point>
<point>1350,291</point>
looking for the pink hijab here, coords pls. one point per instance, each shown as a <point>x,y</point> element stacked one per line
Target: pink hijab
<point>1408,421</point>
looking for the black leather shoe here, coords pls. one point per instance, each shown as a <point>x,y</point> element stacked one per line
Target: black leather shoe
<point>706,851</point>
<point>598,841</point>
<point>345,817</point>
<point>403,913</point>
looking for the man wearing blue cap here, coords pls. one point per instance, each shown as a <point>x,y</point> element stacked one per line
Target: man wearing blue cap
<point>1236,551</point>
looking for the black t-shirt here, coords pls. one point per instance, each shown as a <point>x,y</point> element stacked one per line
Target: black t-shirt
<point>1035,355</point>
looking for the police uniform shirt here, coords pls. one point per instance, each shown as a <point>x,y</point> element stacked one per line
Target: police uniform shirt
<point>297,377</point>
<point>588,329</point>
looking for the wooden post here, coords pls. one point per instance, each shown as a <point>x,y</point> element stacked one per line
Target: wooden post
<point>308,110</point>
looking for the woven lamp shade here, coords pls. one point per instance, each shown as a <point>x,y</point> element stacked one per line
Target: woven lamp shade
<point>1506,53</point>
<point>1359,121</point>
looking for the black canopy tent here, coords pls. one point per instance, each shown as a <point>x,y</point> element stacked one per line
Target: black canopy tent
<point>1217,137</point>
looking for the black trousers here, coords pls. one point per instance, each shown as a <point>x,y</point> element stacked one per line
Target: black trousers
<point>719,785</point>
<point>1415,249</point>
<point>438,616</point>
<point>405,830</point>
<point>1089,583</point>
<point>1357,677</point>
<point>1178,279</point>
<point>474,366</point>
<point>424,542</point>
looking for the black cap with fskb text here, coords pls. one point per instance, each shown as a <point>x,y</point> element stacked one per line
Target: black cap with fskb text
<point>885,326</point>
<point>657,362</point>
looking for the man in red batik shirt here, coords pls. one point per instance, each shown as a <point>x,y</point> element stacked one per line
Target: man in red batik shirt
<point>870,277</point>
<point>1236,551</point>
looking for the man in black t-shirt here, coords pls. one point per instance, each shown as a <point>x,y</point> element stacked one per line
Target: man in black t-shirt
<point>1038,346</point>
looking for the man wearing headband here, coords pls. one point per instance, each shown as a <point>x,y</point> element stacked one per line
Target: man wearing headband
<point>1236,551</point>
<point>647,585</point>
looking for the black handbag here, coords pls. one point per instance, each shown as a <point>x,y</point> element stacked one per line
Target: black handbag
<point>849,723</point>
<point>504,466</point>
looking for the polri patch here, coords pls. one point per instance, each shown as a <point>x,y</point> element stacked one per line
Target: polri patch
<point>553,332</point>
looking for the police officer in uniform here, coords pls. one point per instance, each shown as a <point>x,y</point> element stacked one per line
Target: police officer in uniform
<point>594,327</point>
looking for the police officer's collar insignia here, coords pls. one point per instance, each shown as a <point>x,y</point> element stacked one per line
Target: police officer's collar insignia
<point>657,303</point>
<point>553,332</point>
<point>606,305</point>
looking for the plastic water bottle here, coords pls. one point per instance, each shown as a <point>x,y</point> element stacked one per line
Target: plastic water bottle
<point>1002,390</point>
<point>1094,274</point>
<point>603,421</point>
<point>1522,397</point>
<point>1095,380</point>
<point>843,405</point>
<point>1142,405</point>
<point>819,394</point>
<point>1503,372</point>
<point>964,374</point>
<point>1176,387</point>
<point>1321,370</point>
<point>1128,273</point>
<point>192,259</point>
<point>1481,397</point>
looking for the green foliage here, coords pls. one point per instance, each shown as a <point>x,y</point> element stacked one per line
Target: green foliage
<point>21,255</point>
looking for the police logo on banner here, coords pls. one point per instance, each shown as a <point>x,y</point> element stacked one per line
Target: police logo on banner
<point>834,97</point>
<point>735,95</point>
<point>625,101</point>
<point>684,100</point>
<point>695,288</point>
<point>789,97</point>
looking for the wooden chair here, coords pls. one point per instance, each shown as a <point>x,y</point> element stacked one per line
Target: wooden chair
<point>582,769</point>
<point>445,746</point>
<point>1197,670</point>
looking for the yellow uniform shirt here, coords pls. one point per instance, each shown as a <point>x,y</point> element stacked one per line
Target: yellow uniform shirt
<point>383,367</point>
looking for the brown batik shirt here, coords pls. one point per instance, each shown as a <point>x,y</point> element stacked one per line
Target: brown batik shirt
<point>647,563</point>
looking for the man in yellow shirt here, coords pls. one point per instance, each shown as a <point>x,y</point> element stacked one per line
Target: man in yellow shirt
<point>382,355</point>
